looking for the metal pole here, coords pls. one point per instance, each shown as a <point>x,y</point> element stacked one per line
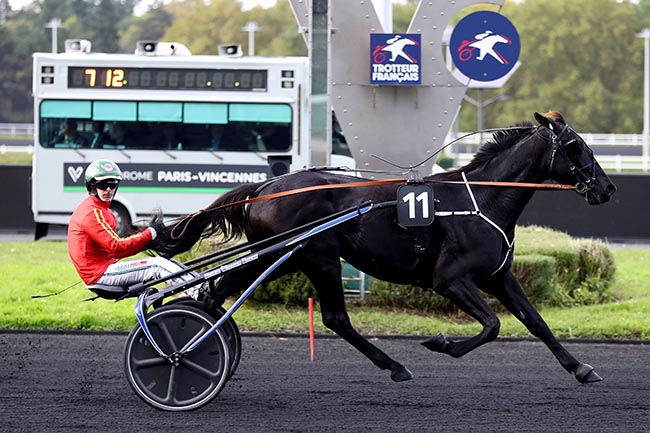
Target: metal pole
<point>319,56</point>
<point>251,27</point>
<point>54,24</point>
<point>480,116</point>
<point>480,105</point>
<point>645,34</point>
<point>251,43</point>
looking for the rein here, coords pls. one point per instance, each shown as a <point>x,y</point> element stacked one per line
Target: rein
<point>508,184</point>
<point>555,139</point>
<point>187,219</point>
<point>388,182</point>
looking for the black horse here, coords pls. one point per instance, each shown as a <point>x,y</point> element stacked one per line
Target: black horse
<point>467,248</point>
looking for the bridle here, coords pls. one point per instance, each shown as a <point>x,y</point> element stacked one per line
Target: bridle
<point>571,150</point>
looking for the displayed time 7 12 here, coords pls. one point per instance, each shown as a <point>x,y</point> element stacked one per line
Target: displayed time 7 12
<point>85,77</point>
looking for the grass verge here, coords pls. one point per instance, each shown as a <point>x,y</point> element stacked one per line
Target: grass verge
<point>37,268</point>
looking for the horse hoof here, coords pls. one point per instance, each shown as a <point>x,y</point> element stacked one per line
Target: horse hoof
<point>401,374</point>
<point>436,344</point>
<point>585,374</point>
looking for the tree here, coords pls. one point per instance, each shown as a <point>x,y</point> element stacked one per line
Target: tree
<point>279,35</point>
<point>151,26</point>
<point>580,57</point>
<point>642,10</point>
<point>202,27</point>
<point>5,10</point>
<point>18,38</point>
<point>402,16</point>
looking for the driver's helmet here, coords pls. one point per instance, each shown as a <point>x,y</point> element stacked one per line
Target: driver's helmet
<point>100,170</point>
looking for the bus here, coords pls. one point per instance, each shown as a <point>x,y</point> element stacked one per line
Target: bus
<point>183,128</point>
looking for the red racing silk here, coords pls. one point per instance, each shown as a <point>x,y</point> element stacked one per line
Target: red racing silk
<point>93,244</point>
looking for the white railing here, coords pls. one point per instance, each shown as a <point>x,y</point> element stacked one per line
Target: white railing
<point>17,129</point>
<point>469,145</point>
<point>591,139</point>
<point>609,163</point>
<point>630,159</point>
<point>16,149</point>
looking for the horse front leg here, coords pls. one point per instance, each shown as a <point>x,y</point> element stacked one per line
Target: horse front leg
<point>466,296</point>
<point>329,287</point>
<point>512,296</point>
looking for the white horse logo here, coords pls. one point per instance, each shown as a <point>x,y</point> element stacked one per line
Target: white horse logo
<point>485,42</point>
<point>395,46</point>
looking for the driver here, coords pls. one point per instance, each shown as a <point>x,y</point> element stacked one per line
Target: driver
<point>95,248</point>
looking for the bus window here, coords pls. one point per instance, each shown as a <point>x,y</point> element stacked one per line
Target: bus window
<point>133,125</point>
<point>273,138</point>
<point>67,136</point>
<point>100,136</point>
<point>122,137</point>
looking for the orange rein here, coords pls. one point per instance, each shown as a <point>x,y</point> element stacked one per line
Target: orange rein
<point>189,217</point>
<point>390,182</point>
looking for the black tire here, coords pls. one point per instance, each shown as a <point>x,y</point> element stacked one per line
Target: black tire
<point>192,382</point>
<point>123,223</point>
<point>229,328</point>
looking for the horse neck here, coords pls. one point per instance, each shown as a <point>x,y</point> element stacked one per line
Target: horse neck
<point>526,162</point>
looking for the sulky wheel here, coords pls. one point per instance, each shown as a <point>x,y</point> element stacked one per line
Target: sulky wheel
<point>195,379</point>
<point>229,328</point>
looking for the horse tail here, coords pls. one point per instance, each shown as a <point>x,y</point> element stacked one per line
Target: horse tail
<point>223,217</point>
<point>229,216</point>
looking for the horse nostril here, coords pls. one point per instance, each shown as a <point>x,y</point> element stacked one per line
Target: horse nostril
<point>611,189</point>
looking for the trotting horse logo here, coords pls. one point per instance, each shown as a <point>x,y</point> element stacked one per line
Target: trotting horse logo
<point>484,46</point>
<point>395,59</point>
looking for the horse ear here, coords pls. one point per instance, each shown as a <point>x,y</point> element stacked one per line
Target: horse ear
<point>544,121</point>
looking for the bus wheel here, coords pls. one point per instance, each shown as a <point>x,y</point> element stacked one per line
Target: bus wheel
<point>122,219</point>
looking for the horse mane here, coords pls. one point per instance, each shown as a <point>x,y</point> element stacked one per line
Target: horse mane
<point>501,140</point>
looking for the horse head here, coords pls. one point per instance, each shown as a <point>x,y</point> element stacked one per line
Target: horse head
<point>572,161</point>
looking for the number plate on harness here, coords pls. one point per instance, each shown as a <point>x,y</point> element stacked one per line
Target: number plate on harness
<point>415,205</point>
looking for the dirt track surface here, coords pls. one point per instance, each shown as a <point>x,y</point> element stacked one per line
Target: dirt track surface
<point>75,383</point>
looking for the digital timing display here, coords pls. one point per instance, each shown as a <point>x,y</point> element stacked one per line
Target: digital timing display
<point>91,77</point>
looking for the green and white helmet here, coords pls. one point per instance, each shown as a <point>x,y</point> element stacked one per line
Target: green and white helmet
<point>100,170</point>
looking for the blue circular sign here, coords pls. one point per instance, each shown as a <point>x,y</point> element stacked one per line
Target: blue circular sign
<point>484,46</point>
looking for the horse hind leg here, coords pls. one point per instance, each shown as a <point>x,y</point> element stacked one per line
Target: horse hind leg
<point>466,296</point>
<point>512,297</point>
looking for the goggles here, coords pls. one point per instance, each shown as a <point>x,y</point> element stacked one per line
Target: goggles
<point>107,183</point>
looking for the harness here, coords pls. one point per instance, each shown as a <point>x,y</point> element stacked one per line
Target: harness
<point>571,150</point>
<point>477,212</point>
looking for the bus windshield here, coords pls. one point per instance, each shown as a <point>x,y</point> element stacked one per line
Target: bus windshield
<point>155,125</point>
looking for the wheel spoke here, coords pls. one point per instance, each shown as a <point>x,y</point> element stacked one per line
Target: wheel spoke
<point>201,370</point>
<point>154,361</point>
<point>167,335</point>
<point>171,386</point>
<point>199,334</point>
